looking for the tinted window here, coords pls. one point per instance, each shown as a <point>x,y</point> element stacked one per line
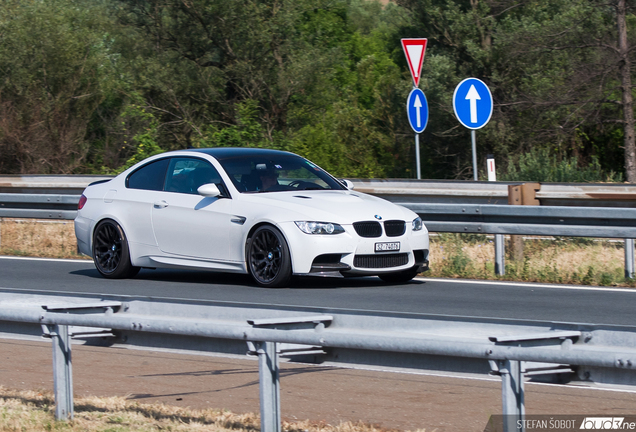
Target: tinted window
<point>186,175</point>
<point>149,177</point>
<point>276,172</point>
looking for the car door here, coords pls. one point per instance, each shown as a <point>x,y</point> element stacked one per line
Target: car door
<point>186,223</point>
<point>144,186</point>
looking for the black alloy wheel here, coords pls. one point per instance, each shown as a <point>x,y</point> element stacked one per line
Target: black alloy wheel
<point>268,258</point>
<point>110,251</point>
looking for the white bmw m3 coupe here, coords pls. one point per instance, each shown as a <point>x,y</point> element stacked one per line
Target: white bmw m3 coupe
<point>268,213</point>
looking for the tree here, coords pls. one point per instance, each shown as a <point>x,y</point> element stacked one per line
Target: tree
<point>317,77</point>
<point>626,90</point>
<point>555,68</point>
<point>228,51</point>
<point>54,63</point>
<point>586,49</point>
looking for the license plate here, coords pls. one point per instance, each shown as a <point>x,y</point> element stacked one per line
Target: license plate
<point>387,247</point>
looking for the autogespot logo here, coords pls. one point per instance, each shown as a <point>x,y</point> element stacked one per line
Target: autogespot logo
<point>605,423</point>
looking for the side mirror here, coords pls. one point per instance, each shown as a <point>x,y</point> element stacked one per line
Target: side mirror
<point>347,183</point>
<point>209,190</point>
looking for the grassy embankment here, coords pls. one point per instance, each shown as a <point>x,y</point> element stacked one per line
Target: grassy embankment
<point>561,260</point>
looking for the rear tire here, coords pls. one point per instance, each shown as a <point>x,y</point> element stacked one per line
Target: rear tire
<point>403,276</point>
<point>110,251</point>
<point>268,257</point>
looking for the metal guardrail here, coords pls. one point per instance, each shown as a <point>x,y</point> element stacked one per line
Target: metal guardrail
<point>439,217</point>
<point>507,348</point>
<point>470,192</point>
<point>500,220</point>
<point>60,194</point>
<point>47,184</point>
<point>38,206</point>
<point>528,220</point>
<point>440,191</point>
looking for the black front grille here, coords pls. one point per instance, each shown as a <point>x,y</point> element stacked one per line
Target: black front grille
<point>368,229</point>
<point>381,261</point>
<point>394,228</point>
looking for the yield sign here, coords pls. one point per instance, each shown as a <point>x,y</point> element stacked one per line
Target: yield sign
<point>414,50</point>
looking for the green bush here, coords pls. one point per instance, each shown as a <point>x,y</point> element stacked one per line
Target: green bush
<point>543,165</point>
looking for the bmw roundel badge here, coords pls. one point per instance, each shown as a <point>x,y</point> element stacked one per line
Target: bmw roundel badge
<point>378,217</point>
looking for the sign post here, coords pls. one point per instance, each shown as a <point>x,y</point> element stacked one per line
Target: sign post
<point>500,248</point>
<point>416,104</point>
<point>472,103</point>
<point>417,110</point>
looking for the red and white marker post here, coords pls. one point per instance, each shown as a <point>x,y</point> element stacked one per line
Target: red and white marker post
<point>490,168</point>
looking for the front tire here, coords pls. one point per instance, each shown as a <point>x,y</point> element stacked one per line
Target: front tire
<point>400,277</point>
<point>268,257</point>
<point>110,251</point>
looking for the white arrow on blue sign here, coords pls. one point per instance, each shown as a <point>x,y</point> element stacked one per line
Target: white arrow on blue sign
<point>472,103</point>
<point>417,110</point>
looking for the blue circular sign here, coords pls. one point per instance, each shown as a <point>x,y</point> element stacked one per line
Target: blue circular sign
<point>472,103</point>
<point>417,110</point>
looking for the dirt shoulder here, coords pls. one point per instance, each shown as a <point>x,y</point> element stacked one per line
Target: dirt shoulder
<point>321,394</point>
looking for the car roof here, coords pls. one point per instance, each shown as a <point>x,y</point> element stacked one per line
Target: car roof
<point>231,152</point>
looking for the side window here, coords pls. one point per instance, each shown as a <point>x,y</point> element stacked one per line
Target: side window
<point>185,175</point>
<point>149,177</point>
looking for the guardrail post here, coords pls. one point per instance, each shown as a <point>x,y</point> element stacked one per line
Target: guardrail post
<point>62,371</point>
<point>268,366</point>
<point>62,364</point>
<point>500,254</point>
<point>512,394</point>
<point>629,258</point>
<point>269,377</point>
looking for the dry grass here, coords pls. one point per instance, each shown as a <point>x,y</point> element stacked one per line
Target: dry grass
<point>562,254</point>
<point>559,260</point>
<point>49,238</point>
<point>32,411</point>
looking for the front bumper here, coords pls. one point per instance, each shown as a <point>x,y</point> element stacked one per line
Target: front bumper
<point>348,253</point>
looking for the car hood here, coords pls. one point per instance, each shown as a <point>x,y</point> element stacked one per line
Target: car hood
<point>343,207</point>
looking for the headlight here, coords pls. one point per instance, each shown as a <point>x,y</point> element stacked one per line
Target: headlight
<point>417,224</point>
<point>319,227</point>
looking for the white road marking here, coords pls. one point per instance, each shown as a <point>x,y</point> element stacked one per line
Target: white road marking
<point>88,261</point>
<point>529,285</point>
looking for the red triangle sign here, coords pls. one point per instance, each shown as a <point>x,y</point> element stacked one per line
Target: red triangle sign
<point>414,50</point>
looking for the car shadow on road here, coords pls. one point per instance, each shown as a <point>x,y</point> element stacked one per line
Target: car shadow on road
<point>180,276</point>
<point>243,280</point>
<point>348,282</point>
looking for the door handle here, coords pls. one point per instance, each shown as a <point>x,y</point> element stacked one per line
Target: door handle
<point>160,204</point>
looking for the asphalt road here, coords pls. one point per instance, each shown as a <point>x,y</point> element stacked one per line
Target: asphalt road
<point>483,299</point>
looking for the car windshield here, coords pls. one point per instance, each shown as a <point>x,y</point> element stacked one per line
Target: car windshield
<point>276,172</point>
